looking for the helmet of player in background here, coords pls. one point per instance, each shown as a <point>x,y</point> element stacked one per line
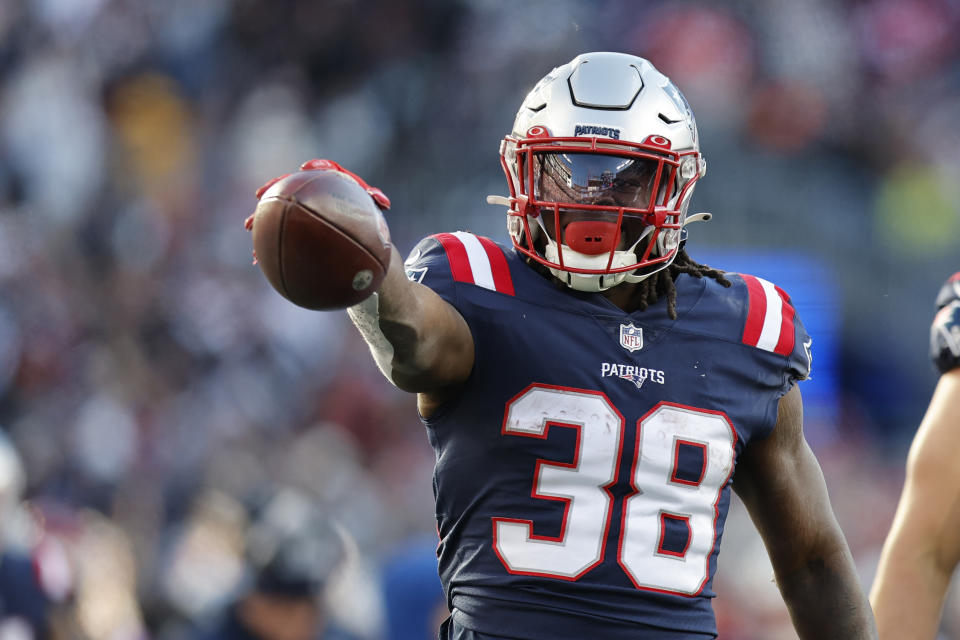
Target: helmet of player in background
<point>605,150</point>
<point>293,548</point>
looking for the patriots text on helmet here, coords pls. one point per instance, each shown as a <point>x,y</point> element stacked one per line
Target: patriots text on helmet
<point>596,130</point>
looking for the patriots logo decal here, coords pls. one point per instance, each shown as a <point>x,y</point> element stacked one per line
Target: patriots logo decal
<point>635,379</point>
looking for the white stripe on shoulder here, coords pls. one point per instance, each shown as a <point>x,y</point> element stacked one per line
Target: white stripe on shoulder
<point>479,261</point>
<point>772,319</point>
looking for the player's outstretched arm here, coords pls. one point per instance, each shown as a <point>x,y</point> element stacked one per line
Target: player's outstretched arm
<point>923,547</point>
<point>782,486</point>
<point>419,340</point>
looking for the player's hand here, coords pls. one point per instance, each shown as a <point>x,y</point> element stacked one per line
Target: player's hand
<point>328,165</point>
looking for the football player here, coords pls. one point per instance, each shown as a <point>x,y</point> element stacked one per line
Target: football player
<point>590,390</point>
<point>293,552</point>
<point>923,547</point>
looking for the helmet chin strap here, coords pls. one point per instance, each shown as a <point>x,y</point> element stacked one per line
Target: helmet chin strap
<point>695,217</point>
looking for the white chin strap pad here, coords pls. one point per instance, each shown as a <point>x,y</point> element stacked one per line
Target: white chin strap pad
<point>590,282</point>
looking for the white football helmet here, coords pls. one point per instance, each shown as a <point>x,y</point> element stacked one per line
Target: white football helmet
<point>601,164</point>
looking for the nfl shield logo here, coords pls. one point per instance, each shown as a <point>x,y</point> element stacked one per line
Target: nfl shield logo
<point>631,337</point>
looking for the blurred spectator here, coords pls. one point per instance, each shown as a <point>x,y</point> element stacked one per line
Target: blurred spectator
<point>35,579</point>
<point>293,553</point>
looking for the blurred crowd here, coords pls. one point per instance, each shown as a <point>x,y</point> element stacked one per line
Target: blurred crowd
<point>159,396</point>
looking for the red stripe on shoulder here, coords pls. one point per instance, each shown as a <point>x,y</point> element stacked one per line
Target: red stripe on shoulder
<point>787,337</point>
<point>456,256</point>
<point>756,310</point>
<point>498,266</point>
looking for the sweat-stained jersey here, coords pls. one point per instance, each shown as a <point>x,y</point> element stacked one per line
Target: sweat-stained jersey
<point>583,474</point>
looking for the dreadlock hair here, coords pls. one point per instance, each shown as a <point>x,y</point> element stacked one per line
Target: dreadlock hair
<point>661,283</point>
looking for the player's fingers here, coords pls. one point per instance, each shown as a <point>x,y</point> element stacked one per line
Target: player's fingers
<point>259,192</point>
<point>321,163</point>
<point>329,165</point>
<point>379,197</point>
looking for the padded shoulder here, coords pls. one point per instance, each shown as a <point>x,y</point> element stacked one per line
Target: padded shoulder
<point>945,329</point>
<point>441,260</point>
<point>768,321</point>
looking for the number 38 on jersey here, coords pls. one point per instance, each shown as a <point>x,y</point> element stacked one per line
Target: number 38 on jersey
<point>668,531</point>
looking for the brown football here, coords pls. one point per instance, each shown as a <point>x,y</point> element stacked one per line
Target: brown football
<point>321,240</point>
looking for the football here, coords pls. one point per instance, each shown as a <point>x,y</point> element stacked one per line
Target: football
<point>321,240</point>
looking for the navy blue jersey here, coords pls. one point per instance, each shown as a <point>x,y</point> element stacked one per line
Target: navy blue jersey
<point>583,474</point>
<point>945,329</point>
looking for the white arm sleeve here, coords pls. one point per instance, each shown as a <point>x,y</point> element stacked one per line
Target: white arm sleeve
<point>366,317</point>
